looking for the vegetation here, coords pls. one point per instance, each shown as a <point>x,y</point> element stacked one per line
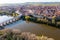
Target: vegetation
<point>52,22</point>
<point>14,34</point>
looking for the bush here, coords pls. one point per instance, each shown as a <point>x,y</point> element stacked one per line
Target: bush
<point>15,34</point>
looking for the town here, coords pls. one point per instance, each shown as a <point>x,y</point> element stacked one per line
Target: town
<point>38,18</point>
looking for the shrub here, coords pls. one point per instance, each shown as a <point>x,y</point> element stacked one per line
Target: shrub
<point>15,34</point>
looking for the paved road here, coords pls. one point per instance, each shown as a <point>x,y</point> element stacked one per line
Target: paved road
<point>38,29</point>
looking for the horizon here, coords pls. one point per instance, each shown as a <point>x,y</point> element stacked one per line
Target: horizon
<point>24,1</point>
<point>33,3</point>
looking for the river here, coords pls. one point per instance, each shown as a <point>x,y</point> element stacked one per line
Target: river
<point>38,29</point>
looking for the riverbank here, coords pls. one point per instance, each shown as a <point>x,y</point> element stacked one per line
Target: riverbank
<point>43,20</point>
<point>15,34</point>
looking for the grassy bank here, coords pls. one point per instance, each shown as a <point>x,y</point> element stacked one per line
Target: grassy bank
<point>15,34</point>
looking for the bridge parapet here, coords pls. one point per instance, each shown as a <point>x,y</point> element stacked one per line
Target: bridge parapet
<point>9,21</point>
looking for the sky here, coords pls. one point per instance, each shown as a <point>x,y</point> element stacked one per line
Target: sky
<point>23,1</point>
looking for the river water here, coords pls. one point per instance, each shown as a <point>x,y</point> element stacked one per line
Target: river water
<point>38,29</point>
